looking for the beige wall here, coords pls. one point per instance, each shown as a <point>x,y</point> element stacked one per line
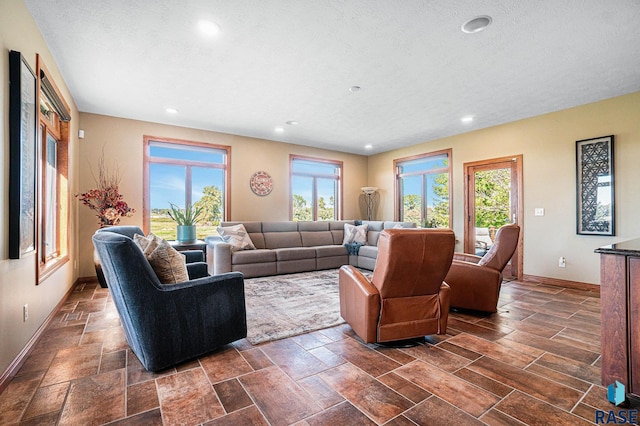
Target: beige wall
<point>547,143</point>
<point>123,145</point>
<point>18,277</point>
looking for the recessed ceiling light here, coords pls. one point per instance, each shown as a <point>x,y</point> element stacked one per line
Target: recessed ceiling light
<point>208,28</point>
<point>355,88</point>
<point>171,111</point>
<point>292,122</point>
<point>368,146</point>
<point>477,24</point>
<point>468,118</point>
<point>279,129</point>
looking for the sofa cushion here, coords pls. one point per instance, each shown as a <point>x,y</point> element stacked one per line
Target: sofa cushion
<point>396,225</point>
<point>275,240</point>
<point>298,253</point>
<point>279,227</point>
<point>368,251</point>
<point>318,238</point>
<point>313,226</point>
<point>330,250</point>
<point>355,234</point>
<point>251,227</point>
<point>253,256</point>
<point>236,236</point>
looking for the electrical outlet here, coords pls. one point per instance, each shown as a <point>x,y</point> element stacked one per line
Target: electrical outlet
<point>25,312</point>
<point>538,211</point>
<point>562,262</point>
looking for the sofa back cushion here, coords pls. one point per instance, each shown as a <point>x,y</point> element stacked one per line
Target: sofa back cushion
<point>313,226</point>
<point>275,240</point>
<point>281,235</point>
<point>375,227</point>
<point>279,227</point>
<point>317,238</point>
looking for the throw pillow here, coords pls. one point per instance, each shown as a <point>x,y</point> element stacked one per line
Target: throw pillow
<point>237,237</point>
<point>355,233</point>
<point>147,244</point>
<point>168,263</point>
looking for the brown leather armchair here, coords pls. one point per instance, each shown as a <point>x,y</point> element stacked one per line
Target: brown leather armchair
<point>475,281</point>
<point>406,297</point>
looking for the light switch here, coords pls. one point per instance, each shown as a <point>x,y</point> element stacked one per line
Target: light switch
<point>539,211</point>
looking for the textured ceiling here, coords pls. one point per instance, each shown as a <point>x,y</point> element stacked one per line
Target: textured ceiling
<point>281,60</point>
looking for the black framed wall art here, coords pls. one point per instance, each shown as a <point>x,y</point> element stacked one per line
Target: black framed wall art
<point>595,186</point>
<point>23,119</point>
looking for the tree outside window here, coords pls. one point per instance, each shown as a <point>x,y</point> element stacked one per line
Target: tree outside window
<point>423,184</point>
<point>315,189</point>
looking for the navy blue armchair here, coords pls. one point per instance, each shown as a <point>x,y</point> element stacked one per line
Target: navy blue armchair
<point>168,324</point>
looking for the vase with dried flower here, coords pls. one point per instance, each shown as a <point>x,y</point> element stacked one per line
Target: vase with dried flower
<point>108,203</point>
<point>106,199</point>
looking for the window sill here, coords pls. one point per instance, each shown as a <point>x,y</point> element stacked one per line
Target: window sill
<point>52,265</point>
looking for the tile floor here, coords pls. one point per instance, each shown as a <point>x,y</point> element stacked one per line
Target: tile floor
<point>536,361</point>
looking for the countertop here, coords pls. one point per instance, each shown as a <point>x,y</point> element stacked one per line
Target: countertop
<point>627,248</point>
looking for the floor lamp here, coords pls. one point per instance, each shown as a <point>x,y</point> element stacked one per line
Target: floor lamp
<point>369,193</point>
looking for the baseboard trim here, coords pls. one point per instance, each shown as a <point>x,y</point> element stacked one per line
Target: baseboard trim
<point>20,359</point>
<point>562,283</point>
<point>91,279</point>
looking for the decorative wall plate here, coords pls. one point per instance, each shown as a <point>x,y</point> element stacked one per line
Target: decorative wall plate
<point>261,183</point>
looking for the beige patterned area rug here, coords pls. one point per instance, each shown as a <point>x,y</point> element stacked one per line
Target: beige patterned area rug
<point>287,305</point>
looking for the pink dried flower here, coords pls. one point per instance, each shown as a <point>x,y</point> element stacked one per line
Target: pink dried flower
<point>106,200</point>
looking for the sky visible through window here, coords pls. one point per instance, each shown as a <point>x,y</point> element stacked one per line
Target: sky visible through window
<point>303,186</point>
<point>167,181</point>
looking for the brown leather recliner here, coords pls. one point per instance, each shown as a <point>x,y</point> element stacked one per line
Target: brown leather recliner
<point>475,281</point>
<point>407,297</point>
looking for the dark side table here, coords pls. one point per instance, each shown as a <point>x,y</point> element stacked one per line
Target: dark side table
<point>198,245</point>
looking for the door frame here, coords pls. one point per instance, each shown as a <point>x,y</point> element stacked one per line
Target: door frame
<point>517,205</point>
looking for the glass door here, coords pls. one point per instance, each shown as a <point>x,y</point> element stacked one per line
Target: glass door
<point>493,199</point>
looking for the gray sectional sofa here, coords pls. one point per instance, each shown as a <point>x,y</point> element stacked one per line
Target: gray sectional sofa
<point>290,247</point>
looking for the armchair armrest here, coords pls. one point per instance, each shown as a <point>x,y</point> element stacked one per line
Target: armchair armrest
<point>359,302</point>
<point>466,257</point>
<point>221,257</point>
<point>197,270</point>
<point>193,255</point>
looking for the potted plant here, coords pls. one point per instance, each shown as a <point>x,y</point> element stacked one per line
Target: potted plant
<point>186,219</point>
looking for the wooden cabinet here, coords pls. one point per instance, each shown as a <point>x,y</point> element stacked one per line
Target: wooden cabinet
<point>620,314</point>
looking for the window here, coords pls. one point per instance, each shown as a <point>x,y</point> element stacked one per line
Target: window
<point>423,186</point>
<point>184,173</point>
<point>316,189</point>
<point>53,191</point>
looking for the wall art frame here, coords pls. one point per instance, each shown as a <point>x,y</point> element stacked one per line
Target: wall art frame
<point>23,121</point>
<point>595,192</point>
